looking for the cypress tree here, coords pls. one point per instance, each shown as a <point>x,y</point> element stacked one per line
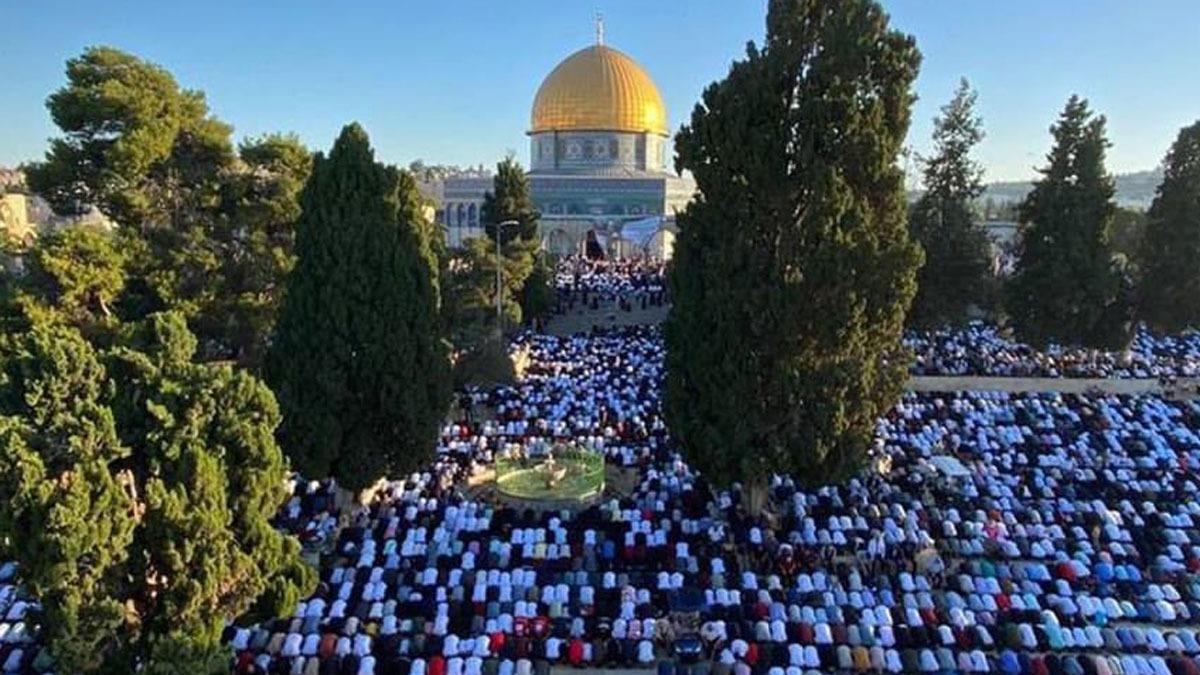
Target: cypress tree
<point>510,199</point>
<point>1067,288</point>
<point>1170,255</point>
<point>358,361</point>
<point>957,269</point>
<point>793,269</point>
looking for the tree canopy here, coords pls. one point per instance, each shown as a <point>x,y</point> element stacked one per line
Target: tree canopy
<point>958,266</point>
<point>255,238</point>
<point>72,276</point>
<point>1067,287</point>
<point>509,200</point>
<point>134,142</point>
<point>137,487</point>
<point>358,360</point>
<point>205,231</point>
<point>1170,256</point>
<point>793,268</point>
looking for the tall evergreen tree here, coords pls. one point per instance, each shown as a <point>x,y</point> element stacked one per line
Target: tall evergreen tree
<point>958,264</point>
<point>1067,287</point>
<point>793,269</point>
<point>1128,233</point>
<point>510,199</point>
<point>136,489</point>
<point>1170,256</point>
<point>474,287</point>
<point>358,360</point>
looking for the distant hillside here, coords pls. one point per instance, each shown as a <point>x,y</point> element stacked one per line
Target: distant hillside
<point>1135,190</point>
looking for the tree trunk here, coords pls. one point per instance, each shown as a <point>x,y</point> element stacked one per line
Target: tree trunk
<point>757,493</point>
<point>1127,356</point>
<point>367,495</point>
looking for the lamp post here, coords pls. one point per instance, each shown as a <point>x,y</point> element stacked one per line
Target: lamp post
<point>500,289</point>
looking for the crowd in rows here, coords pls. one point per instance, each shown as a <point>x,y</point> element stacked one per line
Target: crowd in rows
<point>601,283</point>
<point>980,349</point>
<point>994,533</point>
<point>998,533</point>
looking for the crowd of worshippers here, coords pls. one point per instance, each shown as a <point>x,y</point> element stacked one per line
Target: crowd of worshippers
<point>19,650</point>
<point>980,349</point>
<point>1063,536</point>
<point>1068,545</point>
<point>627,284</point>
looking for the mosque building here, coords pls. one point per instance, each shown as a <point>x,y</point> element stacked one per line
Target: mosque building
<point>599,153</point>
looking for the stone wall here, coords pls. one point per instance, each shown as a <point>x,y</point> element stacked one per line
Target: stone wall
<point>14,217</point>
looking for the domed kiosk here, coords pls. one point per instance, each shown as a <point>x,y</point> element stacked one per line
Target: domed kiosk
<point>600,145</point>
<point>562,474</point>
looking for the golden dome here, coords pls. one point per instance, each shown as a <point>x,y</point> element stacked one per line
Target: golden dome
<point>599,89</point>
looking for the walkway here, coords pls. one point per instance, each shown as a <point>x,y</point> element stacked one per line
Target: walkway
<point>582,320</point>
<point>1186,388</point>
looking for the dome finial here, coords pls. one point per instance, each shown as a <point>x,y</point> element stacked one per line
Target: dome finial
<point>599,28</point>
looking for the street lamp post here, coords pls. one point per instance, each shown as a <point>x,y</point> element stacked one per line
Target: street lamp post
<point>499,288</point>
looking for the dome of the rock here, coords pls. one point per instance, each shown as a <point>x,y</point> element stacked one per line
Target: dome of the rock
<point>599,89</point>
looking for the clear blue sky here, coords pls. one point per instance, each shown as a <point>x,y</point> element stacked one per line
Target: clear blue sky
<point>452,81</point>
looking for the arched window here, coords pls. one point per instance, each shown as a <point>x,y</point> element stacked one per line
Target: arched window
<point>461,215</point>
<point>472,216</point>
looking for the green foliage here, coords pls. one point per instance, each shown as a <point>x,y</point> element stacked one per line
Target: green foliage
<point>67,517</point>
<point>474,286</point>
<point>255,238</point>
<point>509,200</point>
<point>223,263</point>
<point>133,141</point>
<point>1127,232</point>
<point>471,286</point>
<point>358,361</point>
<point>73,276</point>
<point>1170,256</point>
<point>487,363</point>
<point>958,265</point>
<point>537,297</point>
<point>1067,287</point>
<point>136,488</point>
<point>793,269</point>
<point>205,232</point>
